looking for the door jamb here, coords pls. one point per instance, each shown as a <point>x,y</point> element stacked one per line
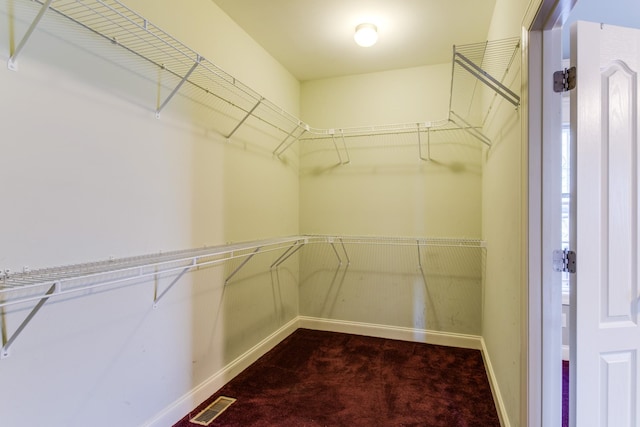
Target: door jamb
<point>541,329</point>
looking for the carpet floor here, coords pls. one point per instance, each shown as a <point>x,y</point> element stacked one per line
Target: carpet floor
<point>565,393</point>
<point>317,378</point>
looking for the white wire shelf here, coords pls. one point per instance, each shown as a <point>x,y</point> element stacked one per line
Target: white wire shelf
<point>395,241</point>
<point>126,37</point>
<point>17,287</point>
<point>40,285</point>
<point>479,65</point>
<point>78,277</point>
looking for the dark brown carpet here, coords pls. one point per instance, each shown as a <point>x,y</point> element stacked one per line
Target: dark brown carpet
<point>316,378</point>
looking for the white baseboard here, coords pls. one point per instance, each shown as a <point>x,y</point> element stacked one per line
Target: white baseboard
<point>495,390</point>
<point>391,332</point>
<point>187,403</point>
<point>565,352</point>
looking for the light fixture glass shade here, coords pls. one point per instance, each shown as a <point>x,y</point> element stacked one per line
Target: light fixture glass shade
<point>366,35</point>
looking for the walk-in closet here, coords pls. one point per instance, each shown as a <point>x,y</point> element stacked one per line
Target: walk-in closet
<point>177,203</point>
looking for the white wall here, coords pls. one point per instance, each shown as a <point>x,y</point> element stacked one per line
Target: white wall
<point>387,190</point>
<point>88,172</point>
<point>502,227</point>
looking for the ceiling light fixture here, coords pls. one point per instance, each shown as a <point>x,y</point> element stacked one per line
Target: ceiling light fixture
<point>366,35</point>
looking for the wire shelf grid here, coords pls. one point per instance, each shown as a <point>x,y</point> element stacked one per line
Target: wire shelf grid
<point>477,66</point>
<point>189,74</point>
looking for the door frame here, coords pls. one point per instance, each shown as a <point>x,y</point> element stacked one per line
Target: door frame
<point>541,321</point>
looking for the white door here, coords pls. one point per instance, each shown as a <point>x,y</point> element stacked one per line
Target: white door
<point>605,345</point>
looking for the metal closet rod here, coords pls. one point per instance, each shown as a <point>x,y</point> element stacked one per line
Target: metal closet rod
<point>120,25</point>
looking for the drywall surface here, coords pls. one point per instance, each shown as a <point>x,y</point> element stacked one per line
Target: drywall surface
<point>434,288</point>
<point>502,226</point>
<point>89,173</point>
<point>386,189</point>
<point>399,96</point>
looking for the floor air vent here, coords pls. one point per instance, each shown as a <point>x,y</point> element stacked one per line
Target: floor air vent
<point>212,411</point>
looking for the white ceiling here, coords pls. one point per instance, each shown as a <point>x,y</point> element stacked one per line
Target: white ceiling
<point>313,39</point>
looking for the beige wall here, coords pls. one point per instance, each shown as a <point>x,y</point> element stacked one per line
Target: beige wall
<point>92,174</point>
<point>502,227</point>
<point>387,190</point>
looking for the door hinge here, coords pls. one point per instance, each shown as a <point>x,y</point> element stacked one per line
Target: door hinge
<point>564,80</point>
<point>564,261</point>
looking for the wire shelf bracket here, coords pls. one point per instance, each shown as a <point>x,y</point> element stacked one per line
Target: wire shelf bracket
<point>246,260</point>
<point>244,119</point>
<point>184,79</point>
<point>467,127</point>
<point>13,60</point>
<point>298,244</point>
<point>173,282</point>
<point>304,129</point>
<point>4,352</point>
<point>420,155</point>
<point>344,145</point>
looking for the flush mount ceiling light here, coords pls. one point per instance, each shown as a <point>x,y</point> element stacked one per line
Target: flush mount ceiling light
<point>366,35</point>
